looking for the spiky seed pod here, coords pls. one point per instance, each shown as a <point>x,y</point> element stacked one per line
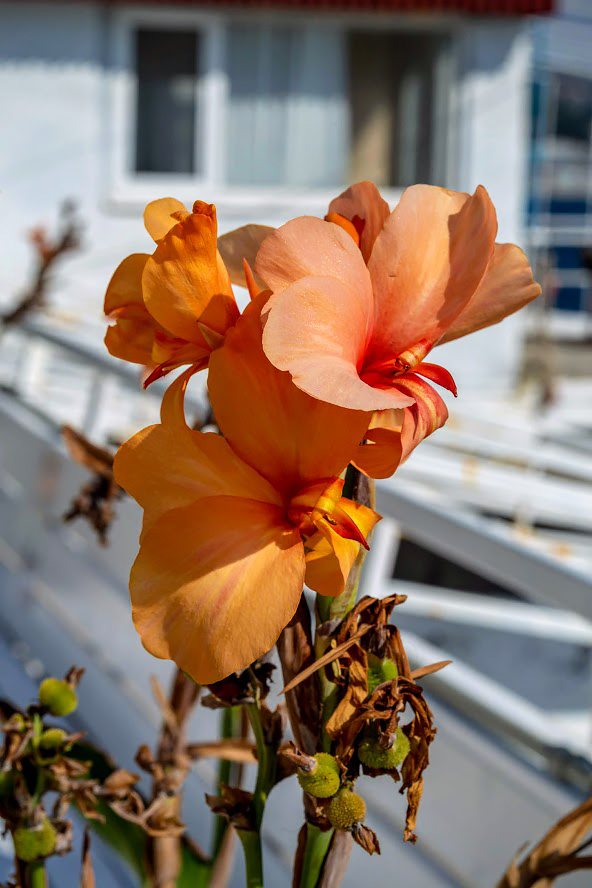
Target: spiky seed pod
<point>379,671</point>
<point>323,781</point>
<point>57,696</point>
<point>52,739</point>
<point>372,754</point>
<point>346,809</point>
<point>33,842</point>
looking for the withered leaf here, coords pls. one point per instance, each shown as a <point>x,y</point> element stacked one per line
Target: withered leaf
<point>366,838</point>
<point>234,749</point>
<point>87,875</point>
<point>235,805</point>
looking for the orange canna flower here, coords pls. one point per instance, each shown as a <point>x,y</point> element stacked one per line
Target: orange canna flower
<point>172,307</point>
<point>358,305</point>
<point>234,525</point>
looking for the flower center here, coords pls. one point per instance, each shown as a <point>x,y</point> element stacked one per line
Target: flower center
<point>318,508</point>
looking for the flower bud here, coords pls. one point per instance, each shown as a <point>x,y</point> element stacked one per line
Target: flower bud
<point>52,739</point>
<point>346,809</point>
<point>379,671</point>
<point>324,779</point>
<point>57,696</point>
<point>31,843</point>
<point>372,754</point>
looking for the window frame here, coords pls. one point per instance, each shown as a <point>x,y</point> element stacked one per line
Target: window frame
<point>129,189</point>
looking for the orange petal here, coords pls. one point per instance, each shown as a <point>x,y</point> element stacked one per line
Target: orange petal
<point>132,341</point>
<point>427,414</point>
<point>363,205</point>
<point>183,283</point>
<point>310,246</point>
<point>289,437</point>
<point>168,465</point>
<point>125,286</point>
<point>215,583</point>
<point>242,244</point>
<point>427,263</point>
<point>318,329</point>
<point>507,286</point>
<point>161,215</point>
<point>381,453</point>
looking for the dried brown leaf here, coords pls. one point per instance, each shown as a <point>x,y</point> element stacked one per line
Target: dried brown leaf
<point>327,658</point>
<point>87,875</point>
<point>234,749</point>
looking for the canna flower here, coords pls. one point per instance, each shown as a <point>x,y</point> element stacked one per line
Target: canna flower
<point>359,305</point>
<point>172,307</point>
<point>234,525</point>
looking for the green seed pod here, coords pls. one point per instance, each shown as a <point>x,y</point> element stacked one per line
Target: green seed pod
<point>379,671</point>
<point>346,809</point>
<point>324,780</point>
<point>52,739</point>
<point>57,696</point>
<point>372,754</point>
<point>31,843</point>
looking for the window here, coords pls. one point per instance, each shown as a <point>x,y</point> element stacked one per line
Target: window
<point>241,103</point>
<point>166,112</point>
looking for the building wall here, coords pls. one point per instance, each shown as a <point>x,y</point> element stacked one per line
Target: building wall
<point>60,75</point>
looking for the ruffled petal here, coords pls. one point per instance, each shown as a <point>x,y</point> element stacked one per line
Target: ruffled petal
<point>507,286</point>
<point>161,215</point>
<point>168,465</point>
<point>125,286</point>
<point>183,283</point>
<point>318,329</point>
<point>131,338</point>
<point>309,246</point>
<point>239,244</point>
<point>215,583</point>
<point>366,209</point>
<point>289,437</point>
<point>427,263</point>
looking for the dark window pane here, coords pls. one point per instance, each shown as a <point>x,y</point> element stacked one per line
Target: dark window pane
<point>166,65</point>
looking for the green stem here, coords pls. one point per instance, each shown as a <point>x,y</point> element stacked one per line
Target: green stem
<point>32,875</point>
<point>266,760</point>
<point>229,727</point>
<point>251,842</point>
<point>315,852</point>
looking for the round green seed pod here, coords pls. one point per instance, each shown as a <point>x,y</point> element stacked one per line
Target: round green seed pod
<point>52,739</point>
<point>31,843</point>
<point>346,809</point>
<point>372,754</point>
<point>379,671</point>
<point>324,780</point>
<point>57,696</point>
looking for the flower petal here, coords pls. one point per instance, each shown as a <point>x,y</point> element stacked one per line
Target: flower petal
<point>161,215</point>
<point>125,286</point>
<point>183,283</point>
<point>215,583</point>
<point>427,263</point>
<point>362,204</point>
<point>242,243</point>
<point>507,286</point>
<point>317,329</point>
<point>309,246</point>
<point>168,465</point>
<point>289,437</point>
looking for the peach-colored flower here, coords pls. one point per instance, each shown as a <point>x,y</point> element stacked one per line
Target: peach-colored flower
<point>172,307</point>
<point>234,525</point>
<point>356,334</point>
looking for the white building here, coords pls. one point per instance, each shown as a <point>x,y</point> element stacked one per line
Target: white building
<point>268,111</point>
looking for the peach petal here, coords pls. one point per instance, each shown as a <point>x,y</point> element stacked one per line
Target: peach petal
<point>161,215</point>
<point>363,202</point>
<point>215,583</point>
<point>381,452</point>
<point>309,246</point>
<point>183,283</point>
<point>289,437</point>
<point>427,263</point>
<point>242,244</point>
<point>317,329</point>
<point>125,286</point>
<point>507,286</point>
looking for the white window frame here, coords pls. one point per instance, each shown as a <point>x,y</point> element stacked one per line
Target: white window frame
<point>132,190</point>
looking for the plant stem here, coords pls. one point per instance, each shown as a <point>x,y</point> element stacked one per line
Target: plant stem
<point>31,875</point>
<point>317,846</point>
<point>229,726</point>
<point>266,759</point>
<point>251,842</point>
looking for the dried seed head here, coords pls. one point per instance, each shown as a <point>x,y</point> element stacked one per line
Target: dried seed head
<point>31,843</point>
<point>324,779</point>
<point>346,809</point>
<point>379,671</point>
<point>372,754</point>
<point>57,696</point>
